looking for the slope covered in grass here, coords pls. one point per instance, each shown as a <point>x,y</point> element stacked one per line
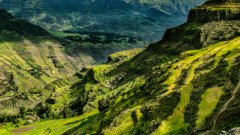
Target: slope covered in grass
<point>28,68</point>
<point>188,83</point>
<point>181,99</point>
<point>34,67</point>
<point>39,70</point>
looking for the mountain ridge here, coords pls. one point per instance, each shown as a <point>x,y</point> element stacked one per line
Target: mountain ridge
<point>125,17</point>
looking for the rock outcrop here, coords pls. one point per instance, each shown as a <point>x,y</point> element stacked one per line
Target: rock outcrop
<point>215,12</point>
<point>206,25</point>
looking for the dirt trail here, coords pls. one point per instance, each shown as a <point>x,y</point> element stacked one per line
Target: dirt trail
<point>6,98</point>
<point>225,106</point>
<point>21,131</point>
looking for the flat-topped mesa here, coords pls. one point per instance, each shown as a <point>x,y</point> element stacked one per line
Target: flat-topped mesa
<point>216,10</point>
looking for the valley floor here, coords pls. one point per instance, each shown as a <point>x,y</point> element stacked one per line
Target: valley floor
<point>49,127</point>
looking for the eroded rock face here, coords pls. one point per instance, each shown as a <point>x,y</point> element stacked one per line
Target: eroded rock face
<point>206,25</point>
<point>209,12</point>
<point>202,35</point>
<point>218,31</point>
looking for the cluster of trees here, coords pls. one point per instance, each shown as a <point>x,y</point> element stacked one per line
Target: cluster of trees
<point>99,37</point>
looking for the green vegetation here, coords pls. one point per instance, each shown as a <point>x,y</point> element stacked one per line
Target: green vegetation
<point>209,101</point>
<point>163,89</point>
<point>127,106</point>
<point>96,46</point>
<point>124,55</point>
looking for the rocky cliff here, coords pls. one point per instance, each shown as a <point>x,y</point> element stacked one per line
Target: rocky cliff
<point>207,24</point>
<point>215,12</point>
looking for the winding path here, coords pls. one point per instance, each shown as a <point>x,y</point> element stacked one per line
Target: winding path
<point>225,106</point>
<point>21,131</point>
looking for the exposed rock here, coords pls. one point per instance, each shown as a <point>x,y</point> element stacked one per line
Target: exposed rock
<point>210,12</point>
<point>234,131</point>
<point>206,25</point>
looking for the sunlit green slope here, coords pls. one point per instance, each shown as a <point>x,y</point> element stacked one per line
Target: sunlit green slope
<point>34,66</point>
<point>28,66</point>
<point>186,94</point>
<point>187,83</point>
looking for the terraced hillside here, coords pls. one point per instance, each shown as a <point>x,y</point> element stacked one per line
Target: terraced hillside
<point>188,83</point>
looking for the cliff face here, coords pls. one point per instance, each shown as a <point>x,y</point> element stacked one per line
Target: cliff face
<point>215,12</point>
<point>207,24</point>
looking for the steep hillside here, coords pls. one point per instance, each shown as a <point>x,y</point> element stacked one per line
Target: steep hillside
<point>188,83</point>
<point>38,66</point>
<point>34,66</point>
<point>145,19</point>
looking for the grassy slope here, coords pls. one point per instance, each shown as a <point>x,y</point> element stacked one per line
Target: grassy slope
<point>32,65</point>
<point>127,105</point>
<point>38,73</point>
<point>155,93</point>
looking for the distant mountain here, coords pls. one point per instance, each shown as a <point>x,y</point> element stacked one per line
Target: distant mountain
<point>23,27</point>
<point>145,19</point>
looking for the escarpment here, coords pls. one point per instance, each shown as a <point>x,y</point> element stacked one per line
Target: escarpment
<point>207,24</point>
<point>211,11</point>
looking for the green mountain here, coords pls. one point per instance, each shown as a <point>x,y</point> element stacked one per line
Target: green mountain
<point>187,83</point>
<point>32,63</point>
<point>35,64</point>
<point>145,19</point>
